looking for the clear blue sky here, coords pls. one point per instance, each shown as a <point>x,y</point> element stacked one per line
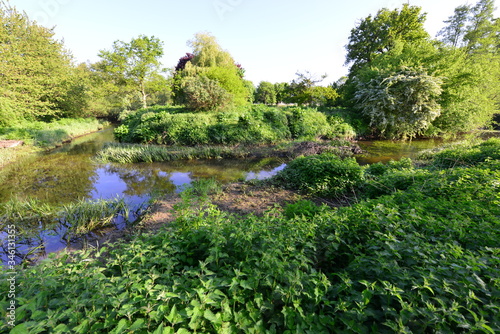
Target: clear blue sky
<point>272,39</point>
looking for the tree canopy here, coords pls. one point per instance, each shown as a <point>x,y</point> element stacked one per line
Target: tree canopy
<point>35,69</point>
<point>209,60</point>
<point>133,65</point>
<point>379,34</point>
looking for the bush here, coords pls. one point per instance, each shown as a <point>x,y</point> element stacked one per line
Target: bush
<point>204,94</point>
<point>309,124</point>
<point>250,125</point>
<point>325,175</point>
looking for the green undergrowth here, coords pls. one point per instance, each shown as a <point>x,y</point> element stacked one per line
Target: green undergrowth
<point>256,124</point>
<point>420,258</point>
<point>43,134</point>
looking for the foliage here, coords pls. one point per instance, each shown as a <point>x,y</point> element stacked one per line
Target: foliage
<point>374,36</point>
<point>466,155</point>
<point>256,125</point>
<point>204,94</point>
<point>324,175</point>
<point>401,105</point>
<point>265,93</point>
<point>132,65</point>
<point>209,61</point>
<point>302,208</point>
<point>50,134</point>
<point>37,74</point>
<point>415,260</point>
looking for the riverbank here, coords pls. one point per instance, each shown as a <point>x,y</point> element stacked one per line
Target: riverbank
<point>42,136</point>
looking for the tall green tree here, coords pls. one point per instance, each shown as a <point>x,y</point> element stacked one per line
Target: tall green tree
<point>35,69</point>
<point>133,65</point>
<point>209,60</point>
<point>456,27</point>
<point>482,32</point>
<point>265,93</point>
<point>376,35</point>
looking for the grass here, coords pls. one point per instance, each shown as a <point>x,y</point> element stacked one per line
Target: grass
<point>79,217</point>
<point>42,135</point>
<point>133,153</point>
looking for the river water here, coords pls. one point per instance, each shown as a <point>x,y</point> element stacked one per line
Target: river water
<point>69,173</point>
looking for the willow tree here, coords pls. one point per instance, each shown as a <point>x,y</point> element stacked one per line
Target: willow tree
<point>210,61</point>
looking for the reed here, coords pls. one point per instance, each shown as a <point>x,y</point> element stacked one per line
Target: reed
<point>83,216</point>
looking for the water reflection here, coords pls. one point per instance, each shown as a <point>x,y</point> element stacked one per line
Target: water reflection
<point>69,173</point>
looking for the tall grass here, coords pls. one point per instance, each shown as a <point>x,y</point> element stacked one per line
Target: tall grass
<point>85,216</point>
<point>79,218</point>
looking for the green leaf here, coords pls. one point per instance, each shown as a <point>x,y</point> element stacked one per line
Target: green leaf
<point>139,323</point>
<point>20,329</point>
<point>122,325</point>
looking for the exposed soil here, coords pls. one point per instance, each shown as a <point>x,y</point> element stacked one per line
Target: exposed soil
<point>243,198</point>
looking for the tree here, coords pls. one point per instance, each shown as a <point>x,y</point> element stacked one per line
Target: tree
<point>265,93</point>
<point>453,34</point>
<point>400,105</point>
<point>134,64</point>
<point>483,32</point>
<point>35,69</point>
<point>204,94</point>
<point>377,35</point>
<point>209,60</point>
<point>300,89</point>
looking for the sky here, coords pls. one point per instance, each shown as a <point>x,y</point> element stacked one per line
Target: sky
<point>271,39</point>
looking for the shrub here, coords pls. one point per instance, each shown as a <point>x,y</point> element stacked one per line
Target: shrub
<point>302,208</point>
<point>309,124</point>
<point>325,175</point>
<point>204,94</point>
<point>251,125</point>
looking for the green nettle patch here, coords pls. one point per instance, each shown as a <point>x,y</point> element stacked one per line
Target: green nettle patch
<point>325,175</point>
<point>252,125</point>
<point>421,258</point>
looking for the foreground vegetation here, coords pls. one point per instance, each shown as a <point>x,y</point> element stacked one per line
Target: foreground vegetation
<point>411,255</point>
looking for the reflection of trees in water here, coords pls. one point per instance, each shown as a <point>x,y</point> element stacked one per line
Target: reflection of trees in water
<point>52,178</point>
<point>142,181</point>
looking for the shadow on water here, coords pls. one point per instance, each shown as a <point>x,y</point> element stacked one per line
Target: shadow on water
<point>69,174</point>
